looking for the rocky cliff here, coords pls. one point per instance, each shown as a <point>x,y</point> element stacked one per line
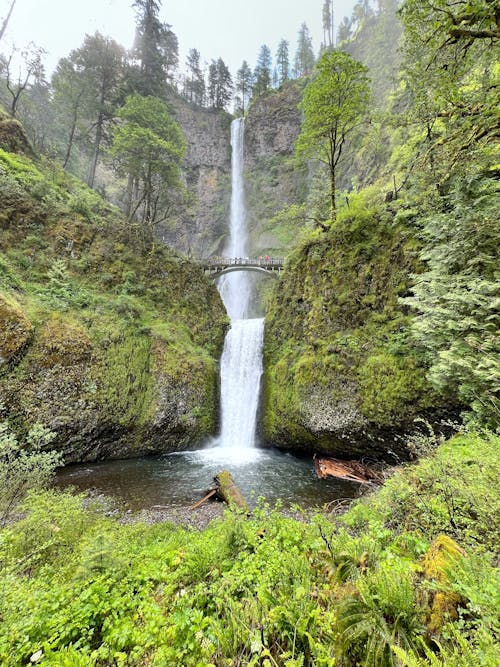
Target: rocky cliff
<point>112,345</point>
<point>341,375</point>
<point>273,179</point>
<point>200,227</point>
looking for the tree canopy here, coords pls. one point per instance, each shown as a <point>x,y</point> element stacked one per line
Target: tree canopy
<point>334,104</point>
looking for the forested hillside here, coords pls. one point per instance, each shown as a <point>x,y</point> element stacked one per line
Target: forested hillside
<point>109,340</point>
<point>372,165</point>
<point>387,310</point>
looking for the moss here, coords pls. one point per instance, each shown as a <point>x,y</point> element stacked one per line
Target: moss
<point>15,330</point>
<point>441,555</point>
<point>340,371</point>
<point>125,337</point>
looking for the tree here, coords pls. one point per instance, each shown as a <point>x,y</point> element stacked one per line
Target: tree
<point>344,32</point>
<point>70,92</point>
<point>220,84</point>
<point>451,77</point>
<point>244,83</point>
<point>31,70</point>
<point>100,61</point>
<point>262,73</point>
<point>156,48</point>
<point>334,104</point>
<point>456,297</point>
<point>328,24</point>
<point>304,57</point>
<point>195,82</point>
<point>283,62</point>
<point>148,146</point>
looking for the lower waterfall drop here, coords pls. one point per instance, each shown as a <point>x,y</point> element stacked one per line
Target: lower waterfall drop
<point>241,370</point>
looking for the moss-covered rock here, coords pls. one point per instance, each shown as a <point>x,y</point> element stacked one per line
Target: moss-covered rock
<point>15,330</point>
<point>340,373</point>
<point>124,338</point>
<point>12,135</point>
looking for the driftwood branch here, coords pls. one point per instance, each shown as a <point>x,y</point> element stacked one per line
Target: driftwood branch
<point>352,471</point>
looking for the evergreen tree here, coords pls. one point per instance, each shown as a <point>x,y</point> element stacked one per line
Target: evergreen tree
<point>244,83</point>
<point>282,62</point>
<point>328,24</point>
<point>100,61</point>
<point>195,81</point>
<point>344,32</point>
<point>220,84</point>
<point>262,73</point>
<point>304,57</point>
<point>70,90</point>
<point>156,49</point>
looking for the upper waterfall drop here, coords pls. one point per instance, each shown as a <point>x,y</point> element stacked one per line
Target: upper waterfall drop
<point>235,288</point>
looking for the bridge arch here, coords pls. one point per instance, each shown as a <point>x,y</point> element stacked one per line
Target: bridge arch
<point>255,269</point>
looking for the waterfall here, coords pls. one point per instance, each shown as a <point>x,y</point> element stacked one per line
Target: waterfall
<point>241,363</point>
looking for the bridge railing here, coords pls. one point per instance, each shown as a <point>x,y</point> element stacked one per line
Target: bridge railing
<point>244,261</point>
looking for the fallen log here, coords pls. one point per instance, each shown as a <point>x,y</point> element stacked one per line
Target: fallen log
<point>226,490</point>
<point>229,492</point>
<point>352,471</point>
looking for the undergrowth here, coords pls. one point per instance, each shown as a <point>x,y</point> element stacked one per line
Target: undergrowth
<point>407,577</point>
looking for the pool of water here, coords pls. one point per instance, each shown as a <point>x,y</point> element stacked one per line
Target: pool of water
<point>181,479</point>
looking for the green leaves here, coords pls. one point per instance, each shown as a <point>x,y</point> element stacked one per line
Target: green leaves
<point>334,103</point>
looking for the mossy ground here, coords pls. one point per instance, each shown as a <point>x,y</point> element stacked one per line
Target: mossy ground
<point>111,342</point>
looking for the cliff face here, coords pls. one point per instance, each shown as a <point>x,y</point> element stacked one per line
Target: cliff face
<point>341,375</point>
<point>201,226</point>
<point>112,345</point>
<point>272,178</point>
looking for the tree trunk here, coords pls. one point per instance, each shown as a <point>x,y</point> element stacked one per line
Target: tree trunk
<point>333,203</point>
<point>98,136</point>
<point>7,19</point>
<point>97,148</point>
<point>70,140</point>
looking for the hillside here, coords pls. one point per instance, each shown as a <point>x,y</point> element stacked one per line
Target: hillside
<point>111,342</point>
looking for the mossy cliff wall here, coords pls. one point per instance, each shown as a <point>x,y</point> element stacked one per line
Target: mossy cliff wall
<point>112,345</point>
<point>340,373</point>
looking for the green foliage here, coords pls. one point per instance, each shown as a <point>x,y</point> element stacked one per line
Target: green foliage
<point>456,297</point>
<point>148,147</point>
<point>23,465</point>
<point>79,589</point>
<point>333,105</point>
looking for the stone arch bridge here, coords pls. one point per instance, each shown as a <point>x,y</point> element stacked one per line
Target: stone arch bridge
<point>219,266</point>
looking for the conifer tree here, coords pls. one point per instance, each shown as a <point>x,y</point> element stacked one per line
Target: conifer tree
<point>244,82</point>
<point>304,57</point>
<point>220,84</point>
<point>263,69</point>
<point>328,24</point>
<point>195,82</point>
<point>155,48</point>
<point>282,63</point>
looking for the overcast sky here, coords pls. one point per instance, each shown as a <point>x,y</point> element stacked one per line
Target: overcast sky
<point>231,29</point>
